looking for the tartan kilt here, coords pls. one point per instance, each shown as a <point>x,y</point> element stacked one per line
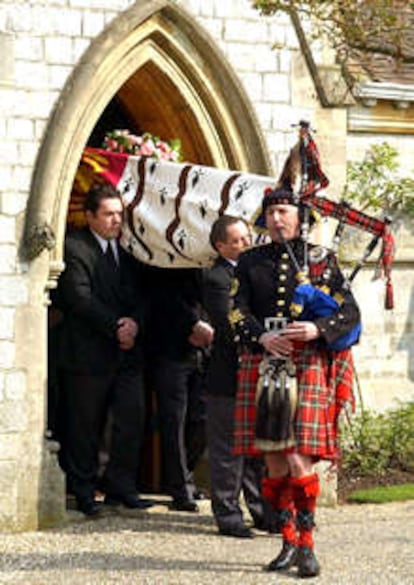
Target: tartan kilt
<point>324,385</point>
<point>244,435</point>
<point>325,382</point>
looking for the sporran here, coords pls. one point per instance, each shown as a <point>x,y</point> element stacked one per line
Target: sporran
<point>276,398</point>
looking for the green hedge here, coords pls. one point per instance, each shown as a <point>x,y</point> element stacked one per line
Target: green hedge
<point>373,443</point>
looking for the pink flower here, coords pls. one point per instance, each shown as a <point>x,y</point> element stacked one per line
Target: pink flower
<point>147,148</point>
<point>163,147</point>
<point>145,145</point>
<point>136,140</point>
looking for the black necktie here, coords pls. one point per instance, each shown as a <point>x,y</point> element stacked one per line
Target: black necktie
<point>110,258</point>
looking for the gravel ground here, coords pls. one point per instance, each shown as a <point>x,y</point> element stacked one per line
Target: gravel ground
<point>361,545</point>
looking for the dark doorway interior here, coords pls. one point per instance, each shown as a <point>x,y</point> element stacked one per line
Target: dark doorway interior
<point>115,116</point>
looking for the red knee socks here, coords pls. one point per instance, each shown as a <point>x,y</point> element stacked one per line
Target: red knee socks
<point>305,490</point>
<point>278,491</point>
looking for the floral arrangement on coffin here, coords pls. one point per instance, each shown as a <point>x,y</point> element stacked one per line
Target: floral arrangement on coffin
<point>145,145</point>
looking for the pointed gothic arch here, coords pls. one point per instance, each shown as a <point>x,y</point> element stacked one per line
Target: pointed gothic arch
<point>216,120</point>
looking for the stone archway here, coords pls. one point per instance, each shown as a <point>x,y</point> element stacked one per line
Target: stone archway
<point>213,117</point>
<point>154,36</point>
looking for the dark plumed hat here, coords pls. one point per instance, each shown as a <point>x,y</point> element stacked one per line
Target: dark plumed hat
<point>279,195</point>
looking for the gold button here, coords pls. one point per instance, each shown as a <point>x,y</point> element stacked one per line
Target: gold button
<point>280,303</point>
<point>279,314</point>
<point>281,289</point>
<point>282,277</point>
<point>284,266</point>
<point>285,255</point>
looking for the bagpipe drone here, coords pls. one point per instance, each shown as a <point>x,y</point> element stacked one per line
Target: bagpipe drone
<point>303,174</point>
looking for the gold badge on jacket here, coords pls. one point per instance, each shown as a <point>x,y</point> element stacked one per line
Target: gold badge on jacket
<point>234,287</point>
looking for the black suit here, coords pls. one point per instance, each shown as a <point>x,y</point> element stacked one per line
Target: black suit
<point>95,373</point>
<point>229,474</point>
<point>177,373</point>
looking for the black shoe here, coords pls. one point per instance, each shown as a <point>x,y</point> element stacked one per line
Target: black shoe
<point>128,500</point>
<point>238,531</point>
<point>285,559</point>
<point>199,495</point>
<point>88,506</point>
<point>273,528</point>
<point>270,527</point>
<point>307,563</point>
<point>184,505</point>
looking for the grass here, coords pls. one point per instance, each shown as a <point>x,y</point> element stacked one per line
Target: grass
<point>383,494</point>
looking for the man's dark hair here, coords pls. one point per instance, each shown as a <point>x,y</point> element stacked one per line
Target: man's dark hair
<point>218,231</point>
<point>97,193</point>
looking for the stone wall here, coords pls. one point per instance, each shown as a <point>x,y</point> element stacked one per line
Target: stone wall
<point>42,42</point>
<point>384,357</point>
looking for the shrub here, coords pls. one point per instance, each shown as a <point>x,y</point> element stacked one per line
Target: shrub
<point>373,443</point>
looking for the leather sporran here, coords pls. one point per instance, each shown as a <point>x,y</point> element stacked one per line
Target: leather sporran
<point>276,397</point>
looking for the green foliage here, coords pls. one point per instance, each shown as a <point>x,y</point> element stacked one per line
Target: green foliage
<point>375,182</point>
<point>401,437</point>
<point>353,29</point>
<point>383,494</point>
<point>349,25</point>
<point>372,443</point>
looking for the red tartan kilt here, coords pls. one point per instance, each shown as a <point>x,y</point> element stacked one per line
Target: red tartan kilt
<point>324,386</point>
<point>245,407</point>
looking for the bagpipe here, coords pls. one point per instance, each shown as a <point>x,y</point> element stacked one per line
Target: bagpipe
<point>302,173</point>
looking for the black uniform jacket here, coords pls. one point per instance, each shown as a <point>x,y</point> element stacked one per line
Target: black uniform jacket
<point>223,361</point>
<point>264,282</point>
<point>92,300</point>
<point>175,299</point>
